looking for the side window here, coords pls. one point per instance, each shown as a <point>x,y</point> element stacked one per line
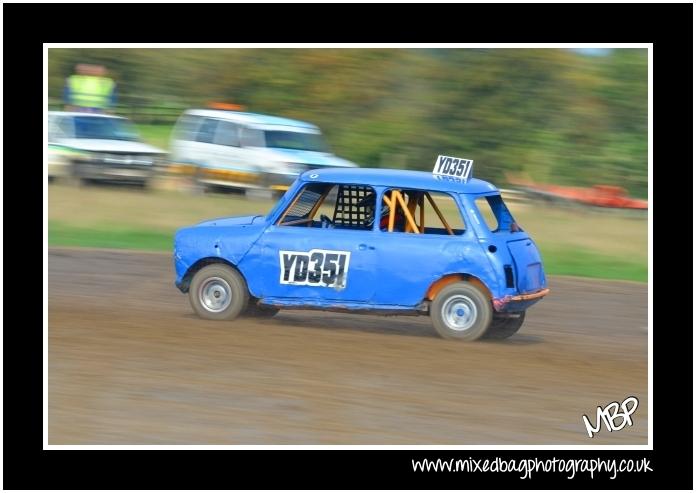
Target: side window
<point>420,212</point>
<point>323,205</point>
<point>227,134</point>
<point>186,127</point>
<point>206,133</point>
<point>302,209</point>
<point>252,137</point>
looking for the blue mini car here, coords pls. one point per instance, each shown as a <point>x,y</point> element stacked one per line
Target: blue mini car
<point>370,240</point>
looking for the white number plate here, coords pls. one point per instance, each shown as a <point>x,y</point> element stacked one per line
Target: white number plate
<point>322,268</point>
<point>453,166</point>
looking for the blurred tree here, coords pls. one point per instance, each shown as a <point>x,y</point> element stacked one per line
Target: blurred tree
<point>557,115</point>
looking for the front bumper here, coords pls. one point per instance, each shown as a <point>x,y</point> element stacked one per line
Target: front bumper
<point>519,302</point>
<point>114,173</point>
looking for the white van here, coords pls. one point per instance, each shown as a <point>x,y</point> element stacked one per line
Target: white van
<point>223,148</point>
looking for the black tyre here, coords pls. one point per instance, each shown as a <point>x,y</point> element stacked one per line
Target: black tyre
<point>260,311</point>
<point>218,292</point>
<point>461,311</point>
<point>503,327</point>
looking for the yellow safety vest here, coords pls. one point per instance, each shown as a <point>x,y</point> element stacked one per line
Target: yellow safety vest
<point>89,91</point>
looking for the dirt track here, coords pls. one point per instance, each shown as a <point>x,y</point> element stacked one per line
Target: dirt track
<point>129,363</point>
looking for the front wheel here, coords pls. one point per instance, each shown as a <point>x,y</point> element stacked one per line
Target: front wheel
<point>461,311</point>
<point>218,292</point>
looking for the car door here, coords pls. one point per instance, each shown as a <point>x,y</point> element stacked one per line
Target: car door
<point>307,262</point>
<point>318,264</point>
<point>230,155</point>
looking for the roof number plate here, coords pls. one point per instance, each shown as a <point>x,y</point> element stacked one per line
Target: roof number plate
<point>453,166</point>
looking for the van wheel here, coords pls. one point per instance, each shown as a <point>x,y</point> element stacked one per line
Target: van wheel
<point>504,327</point>
<point>461,311</point>
<point>218,292</point>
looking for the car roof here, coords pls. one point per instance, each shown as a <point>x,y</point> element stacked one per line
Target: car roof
<point>250,118</point>
<point>81,113</point>
<point>397,178</point>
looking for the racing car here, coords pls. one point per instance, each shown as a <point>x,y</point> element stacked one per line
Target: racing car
<point>378,241</point>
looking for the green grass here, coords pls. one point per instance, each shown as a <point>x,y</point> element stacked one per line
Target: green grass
<point>60,234</point>
<point>156,135</point>
<point>577,242</point>
<point>586,263</point>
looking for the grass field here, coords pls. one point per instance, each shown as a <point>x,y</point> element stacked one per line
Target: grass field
<point>156,135</point>
<point>601,244</point>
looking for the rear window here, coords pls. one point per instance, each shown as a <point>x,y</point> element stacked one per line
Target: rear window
<point>496,214</point>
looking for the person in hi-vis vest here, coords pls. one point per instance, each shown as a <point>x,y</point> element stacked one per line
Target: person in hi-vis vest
<point>89,89</point>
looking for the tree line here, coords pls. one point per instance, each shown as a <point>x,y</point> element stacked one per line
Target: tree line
<point>553,115</point>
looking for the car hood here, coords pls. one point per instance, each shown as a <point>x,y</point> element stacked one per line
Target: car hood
<point>106,145</point>
<point>313,158</point>
<point>232,221</point>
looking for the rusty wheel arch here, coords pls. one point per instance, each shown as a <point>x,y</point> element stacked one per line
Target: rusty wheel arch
<point>448,279</point>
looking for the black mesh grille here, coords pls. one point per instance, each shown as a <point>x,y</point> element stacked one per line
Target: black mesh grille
<point>348,213</point>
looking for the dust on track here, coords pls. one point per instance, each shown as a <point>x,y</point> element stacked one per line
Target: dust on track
<point>129,363</point>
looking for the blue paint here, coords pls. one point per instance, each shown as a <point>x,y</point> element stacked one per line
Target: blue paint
<point>387,271</point>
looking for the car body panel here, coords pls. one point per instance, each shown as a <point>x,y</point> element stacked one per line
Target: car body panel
<point>264,260</point>
<point>385,271</point>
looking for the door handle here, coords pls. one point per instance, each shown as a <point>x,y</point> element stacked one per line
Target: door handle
<point>363,246</point>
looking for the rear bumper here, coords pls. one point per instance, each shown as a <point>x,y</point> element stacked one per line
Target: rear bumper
<point>519,302</point>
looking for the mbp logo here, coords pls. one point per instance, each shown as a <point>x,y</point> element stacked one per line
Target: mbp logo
<point>610,414</point>
<point>322,268</point>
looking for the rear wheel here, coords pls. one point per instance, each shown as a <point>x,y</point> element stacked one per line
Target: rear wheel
<point>461,311</point>
<point>503,327</point>
<point>218,292</point>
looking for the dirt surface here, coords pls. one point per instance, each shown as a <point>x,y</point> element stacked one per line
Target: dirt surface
<point>129,363</point>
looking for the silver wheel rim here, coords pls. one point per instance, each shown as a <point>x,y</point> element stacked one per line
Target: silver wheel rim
<point>459,312</point>
<point>215,294</point>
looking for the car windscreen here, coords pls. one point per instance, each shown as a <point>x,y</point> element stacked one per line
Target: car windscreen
<point>300,141</point>
<point>94,127</point>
